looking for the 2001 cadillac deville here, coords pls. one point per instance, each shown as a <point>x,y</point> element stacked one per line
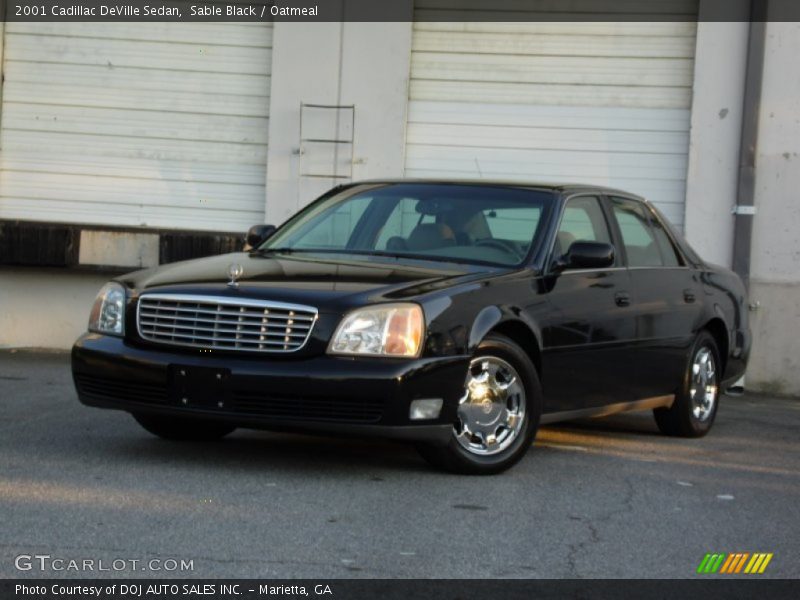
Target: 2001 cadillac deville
<point>456,315</point>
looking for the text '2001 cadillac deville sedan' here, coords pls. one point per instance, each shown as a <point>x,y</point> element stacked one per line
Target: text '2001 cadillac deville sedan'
<point>455,315</point>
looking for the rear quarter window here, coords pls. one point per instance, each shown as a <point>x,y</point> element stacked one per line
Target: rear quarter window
<point>637,234</point>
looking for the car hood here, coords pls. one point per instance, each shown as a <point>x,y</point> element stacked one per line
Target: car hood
<point>329,282</point>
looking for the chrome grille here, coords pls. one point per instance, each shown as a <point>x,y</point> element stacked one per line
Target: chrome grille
<point>219,323</point>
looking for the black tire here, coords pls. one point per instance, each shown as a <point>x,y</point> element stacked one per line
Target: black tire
<point>455,458</point>
<point>680,419</point>
<point>183,429</point>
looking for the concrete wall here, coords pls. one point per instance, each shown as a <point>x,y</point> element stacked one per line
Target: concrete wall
<point>775,274</point>
<point>712,178</point>
<point>719,72</point>
<point>45,308</point>
<point>361,64</point>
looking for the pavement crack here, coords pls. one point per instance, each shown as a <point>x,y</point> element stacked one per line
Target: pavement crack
<point>591,524</point>
<point>594,535</point>
<point>574,549</point>
<point>625,505</point>
<point>572,569</point>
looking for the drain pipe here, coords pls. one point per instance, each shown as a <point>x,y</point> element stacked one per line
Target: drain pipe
<point>745,209</point>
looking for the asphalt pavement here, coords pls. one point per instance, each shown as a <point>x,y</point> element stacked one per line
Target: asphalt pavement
<point>596,499</point>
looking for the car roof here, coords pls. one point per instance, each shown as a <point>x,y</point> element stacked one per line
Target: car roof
<point>565,188</point>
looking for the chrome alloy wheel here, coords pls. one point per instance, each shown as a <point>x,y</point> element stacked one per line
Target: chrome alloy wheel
<point>703,388</point>
<point>492,411</point>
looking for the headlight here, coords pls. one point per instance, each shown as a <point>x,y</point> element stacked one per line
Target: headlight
<point>382,330</point>
<point>108,312</point>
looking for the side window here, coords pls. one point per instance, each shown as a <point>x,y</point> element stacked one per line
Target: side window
<point>668,251</point>
<point>637,234</point>
<point>583,220</point>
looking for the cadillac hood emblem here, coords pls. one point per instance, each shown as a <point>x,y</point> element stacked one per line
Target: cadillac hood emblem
<point>235,271</point>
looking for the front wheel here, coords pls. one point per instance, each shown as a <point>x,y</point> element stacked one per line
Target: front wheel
<point>695,407</point>
<point>498,413</point>
<point>182,429</point>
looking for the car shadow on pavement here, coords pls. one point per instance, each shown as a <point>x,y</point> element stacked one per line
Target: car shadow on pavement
<point>263,451</point>
<point>300,453</point>
<point>260,451</point>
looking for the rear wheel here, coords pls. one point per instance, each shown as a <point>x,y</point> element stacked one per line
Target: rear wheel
<point>183,429</point>
<point>497,415</point>
<point>695,407</point>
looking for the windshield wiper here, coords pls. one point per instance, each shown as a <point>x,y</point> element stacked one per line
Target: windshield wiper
<point>278,250</point>
<point>413,256</point>
<point>267,251</point>
<point>450,259</point>
<point>380,253</point>
<point>306,250</point>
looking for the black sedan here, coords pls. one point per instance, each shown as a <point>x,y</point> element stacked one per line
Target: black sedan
<point>457,315</point>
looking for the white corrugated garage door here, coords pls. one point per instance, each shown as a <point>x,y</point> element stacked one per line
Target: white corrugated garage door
<point>136,124</point>
<point>589,102</point>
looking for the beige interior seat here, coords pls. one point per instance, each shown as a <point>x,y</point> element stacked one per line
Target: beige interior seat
<point>428,236</point>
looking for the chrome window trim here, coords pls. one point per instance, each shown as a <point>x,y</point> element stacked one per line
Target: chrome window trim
<point>225,301</point>
<point>568,271</point>
<point>577,271</point>
<point>659,268</point>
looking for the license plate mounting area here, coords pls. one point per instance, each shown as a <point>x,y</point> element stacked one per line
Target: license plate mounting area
<point>200,387</point>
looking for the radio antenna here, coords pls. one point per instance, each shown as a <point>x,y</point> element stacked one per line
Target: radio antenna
<point>478,166</point>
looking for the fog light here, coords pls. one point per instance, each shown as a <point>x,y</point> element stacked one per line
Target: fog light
<point>425,408</point>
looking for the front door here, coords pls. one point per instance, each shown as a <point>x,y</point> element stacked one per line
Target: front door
<point>588,332</point>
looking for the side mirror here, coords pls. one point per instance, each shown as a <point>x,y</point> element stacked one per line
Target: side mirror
<point>587,255</point>
<point>257,235</point>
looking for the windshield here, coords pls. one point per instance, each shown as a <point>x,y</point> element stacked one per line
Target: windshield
<point>478,224</point>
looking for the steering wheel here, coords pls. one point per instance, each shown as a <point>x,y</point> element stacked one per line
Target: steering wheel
<point>500,245</point>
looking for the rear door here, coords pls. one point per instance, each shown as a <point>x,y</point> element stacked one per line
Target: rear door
<point>589,331</point>
<point>667,297</point>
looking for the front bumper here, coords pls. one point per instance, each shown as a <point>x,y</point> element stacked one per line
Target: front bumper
<point>326,394</point>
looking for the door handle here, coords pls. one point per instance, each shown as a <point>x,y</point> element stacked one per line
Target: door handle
<point>622,299</point>
<point>688,296</point>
